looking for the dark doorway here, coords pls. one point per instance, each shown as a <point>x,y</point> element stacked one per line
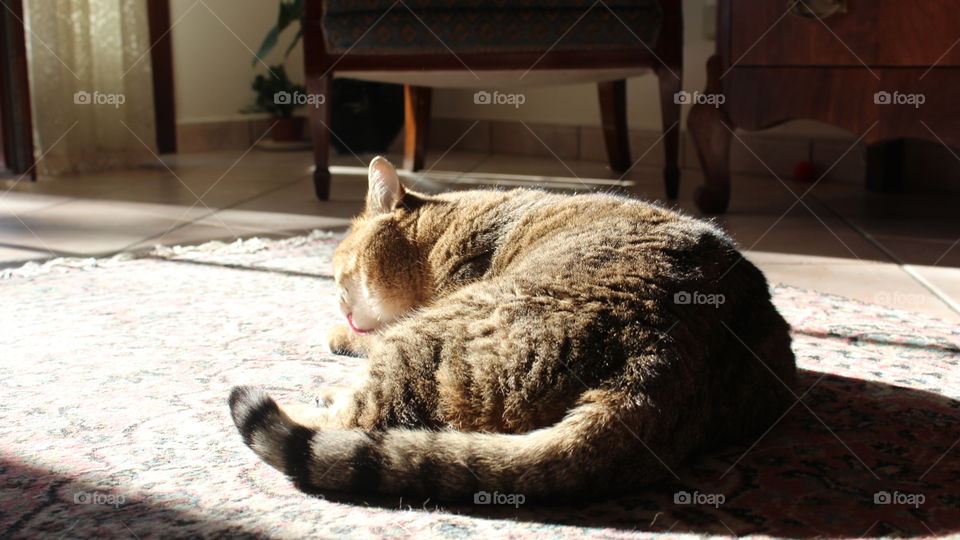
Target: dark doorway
<point>16,139</point>
<point>161,58</point>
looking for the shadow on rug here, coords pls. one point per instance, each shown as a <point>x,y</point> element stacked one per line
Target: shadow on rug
<point>115,375</point>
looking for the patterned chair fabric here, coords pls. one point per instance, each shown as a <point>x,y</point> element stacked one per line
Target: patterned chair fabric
<point>489,26</point>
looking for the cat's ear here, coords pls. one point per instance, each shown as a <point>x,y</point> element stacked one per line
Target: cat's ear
<point>384,190</point>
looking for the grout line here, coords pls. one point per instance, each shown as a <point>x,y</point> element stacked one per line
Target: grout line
<point>907,269</point>
<point>196,220</point>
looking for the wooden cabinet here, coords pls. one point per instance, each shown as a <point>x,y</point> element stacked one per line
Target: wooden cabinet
<point>883,69</point>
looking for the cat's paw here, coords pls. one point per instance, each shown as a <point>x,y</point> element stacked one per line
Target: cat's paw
<point>342,340</point>
<point>327,395</point>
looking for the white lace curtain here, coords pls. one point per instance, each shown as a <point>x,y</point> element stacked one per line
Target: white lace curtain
<point>90,84</point>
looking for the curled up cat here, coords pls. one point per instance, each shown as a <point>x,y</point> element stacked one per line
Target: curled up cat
<point>554,346</point>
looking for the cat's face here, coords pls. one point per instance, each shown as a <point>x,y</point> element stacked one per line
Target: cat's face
<point>376,267</point>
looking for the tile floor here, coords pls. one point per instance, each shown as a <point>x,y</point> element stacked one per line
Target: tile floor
<point>899,250</point>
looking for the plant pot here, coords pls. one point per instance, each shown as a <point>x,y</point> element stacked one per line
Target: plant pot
<point>287,129</point>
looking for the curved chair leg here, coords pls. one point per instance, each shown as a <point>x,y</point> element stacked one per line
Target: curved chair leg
<point>613,115</point>
<point>416,112</point>
<point>710,128</point>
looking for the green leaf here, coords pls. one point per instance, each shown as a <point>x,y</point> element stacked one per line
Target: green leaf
<point>289,12</point>
<point>296,39</point>
<point>269,42</point>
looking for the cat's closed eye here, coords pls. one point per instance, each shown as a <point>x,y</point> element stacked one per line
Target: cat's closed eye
<point>472,267</point>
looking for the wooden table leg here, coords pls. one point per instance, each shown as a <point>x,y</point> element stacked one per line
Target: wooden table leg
<point>613,115</point>
<point>670,84</point>
<point>320,119</point>
<point>416,109</point>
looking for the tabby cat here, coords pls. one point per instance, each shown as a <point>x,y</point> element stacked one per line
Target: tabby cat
<point>529,343</point>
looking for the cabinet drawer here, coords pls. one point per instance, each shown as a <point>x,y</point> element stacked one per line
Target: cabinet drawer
<point>872,32</point>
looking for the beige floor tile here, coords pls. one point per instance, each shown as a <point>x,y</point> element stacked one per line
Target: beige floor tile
<point>191,234</point>
<point>646,146</point>
<point>544,140</point>
<point>546,173</point>
<point>347,193</point>
<point>754,154</point>
<point>884,284</point>
<point>840,160</point>
<point>211,195</point>
<point>92,227</point>
<point>11,256</point>
<point>800,233</point>
<point>453,161</point>
<point>943,252</point>
<point>253,221</point>
<point>436,160</point>
<point>87,185</point>
<point>459,134</point>
<point>242,159</point>
<point>926,216</point>
<point>944,279</point>
<point>19,203</point>
<point>750,194</point>
<point>893,210</point>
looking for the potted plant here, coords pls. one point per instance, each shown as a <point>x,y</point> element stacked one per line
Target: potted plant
<point>277,96</point>
<point>367,115</point>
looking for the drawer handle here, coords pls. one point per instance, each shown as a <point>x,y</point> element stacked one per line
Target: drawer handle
<point>817,9</point>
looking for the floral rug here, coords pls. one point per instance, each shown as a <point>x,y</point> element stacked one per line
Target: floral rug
<point>114,376</point>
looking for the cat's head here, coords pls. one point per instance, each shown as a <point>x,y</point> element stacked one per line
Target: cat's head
<point>379,267</point>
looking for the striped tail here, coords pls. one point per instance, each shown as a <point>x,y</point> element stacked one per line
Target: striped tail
<point>590,452</point>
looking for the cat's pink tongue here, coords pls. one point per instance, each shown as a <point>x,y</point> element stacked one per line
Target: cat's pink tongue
<point>354,328</point>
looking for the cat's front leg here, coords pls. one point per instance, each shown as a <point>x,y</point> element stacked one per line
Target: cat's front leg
<point>343,340</point>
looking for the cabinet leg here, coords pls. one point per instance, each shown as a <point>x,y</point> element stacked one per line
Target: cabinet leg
<point>711,128</point>
<point>885,165</point>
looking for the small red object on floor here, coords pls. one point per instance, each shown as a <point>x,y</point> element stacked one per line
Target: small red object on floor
<point>804,171</point>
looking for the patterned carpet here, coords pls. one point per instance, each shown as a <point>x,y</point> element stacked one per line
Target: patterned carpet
<point>114,376</point>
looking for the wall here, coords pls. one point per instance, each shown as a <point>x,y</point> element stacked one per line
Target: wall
<point>213,45</point>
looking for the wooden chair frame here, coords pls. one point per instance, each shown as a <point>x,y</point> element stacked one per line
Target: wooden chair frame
<point>666,59</point>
